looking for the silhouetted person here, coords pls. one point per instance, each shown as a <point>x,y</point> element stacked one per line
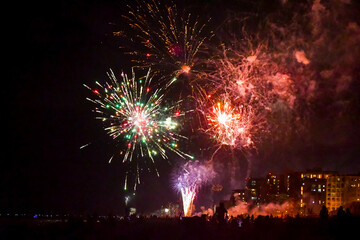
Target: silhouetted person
<point>324,213</point>
<point>220,212</point>
<point>347,213</point>
<point>340,212</point>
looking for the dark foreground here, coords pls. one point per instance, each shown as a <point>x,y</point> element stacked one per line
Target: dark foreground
<point>187,228</point>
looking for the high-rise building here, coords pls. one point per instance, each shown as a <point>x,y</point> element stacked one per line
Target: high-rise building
<point>308,190</point>
<point>254,187</point>
<point>313,190</point>
<point>274,188</point>
<point>293,184</point>
<point>342,191</point>
<point>237,196</point>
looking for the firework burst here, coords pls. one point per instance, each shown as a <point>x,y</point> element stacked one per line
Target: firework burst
<point>170,41</point>
<point>189,178</point>
<point>230,126</point>
<point>245,73</point>
<point>133,115</point>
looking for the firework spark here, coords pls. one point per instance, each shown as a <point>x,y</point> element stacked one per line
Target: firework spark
<point>191,176</point>
<point>245,73</point>
<point>133,115</point>
<point>229,125</point>
<point>170,41</point>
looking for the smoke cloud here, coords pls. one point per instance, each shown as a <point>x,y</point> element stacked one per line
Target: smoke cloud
<point>274,209</point>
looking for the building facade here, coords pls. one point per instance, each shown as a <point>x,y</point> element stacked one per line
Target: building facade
<point>293,184</point>
<point>342,191</point>
<point>237,196</point>
<point>313,190</point>
<point>275,188</point>
<point>308,191</point>
<point>254,190</point>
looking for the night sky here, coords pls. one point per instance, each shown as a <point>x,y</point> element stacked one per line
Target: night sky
<point>51,50</point>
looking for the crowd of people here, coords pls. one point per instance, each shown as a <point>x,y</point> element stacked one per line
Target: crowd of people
<point>218,226</point>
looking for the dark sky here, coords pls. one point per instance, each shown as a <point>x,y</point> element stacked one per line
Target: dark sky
<point>54,49</point>
<point>51,50</point>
